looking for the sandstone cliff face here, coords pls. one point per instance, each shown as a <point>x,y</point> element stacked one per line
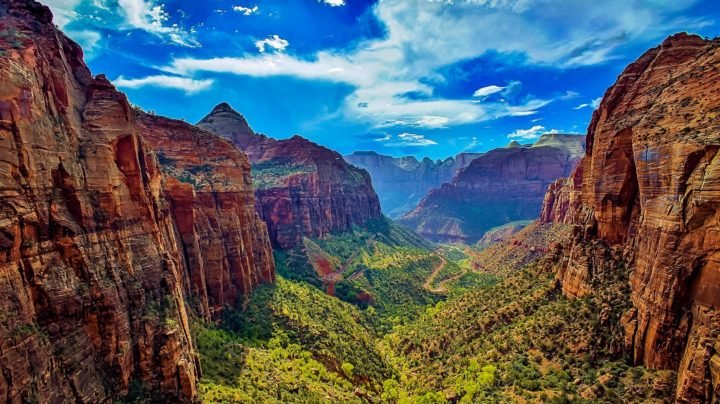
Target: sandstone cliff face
<point>90,285</point>
<point>226,247</point>
<point>302,189</point>
<point>402,182</point>
<point>97,264</point>
<point>647,197</point>
<point>502,186</point>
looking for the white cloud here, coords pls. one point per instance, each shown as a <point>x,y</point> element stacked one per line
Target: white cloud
<point>385,138</point>
<point>122,15</point>
<point>412,139</point>
<point>189,86</point>
<point>592,104</point>
<point>333,3</point>
<point>63,11</point>
<point>569,95</point>
<point>408,60</point>
<point>489,90</point>
<point>274,42</point>
<point>246,10</point>
<point>532,133</point>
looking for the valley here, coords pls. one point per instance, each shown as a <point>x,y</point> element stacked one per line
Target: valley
<point>146,259</point>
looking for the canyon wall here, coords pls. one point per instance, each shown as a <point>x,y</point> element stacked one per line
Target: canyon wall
<point>646,199</point>
<point>402,182</point>
<point>97,268</point>
<point>499,187</point>
<point>302,189</point>
<point>227,249</point>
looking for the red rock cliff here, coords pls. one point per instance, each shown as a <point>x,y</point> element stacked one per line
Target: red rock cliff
<point>647,197</point>
<point>499,187</point>
<point>226,246</point>
<point>302,189</point>
<point>90,285</point>
<point>97,264</point>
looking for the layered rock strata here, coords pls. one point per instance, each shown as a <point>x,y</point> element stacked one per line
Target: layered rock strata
<point>646,198</point>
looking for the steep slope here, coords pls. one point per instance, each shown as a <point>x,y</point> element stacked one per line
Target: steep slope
<point>226,246</point>
<point>90,277</point>
<point>95,271</point>
<point>502,186</point>
<point>647,197</point>
<point>402,182</point>
<point>302,189</point>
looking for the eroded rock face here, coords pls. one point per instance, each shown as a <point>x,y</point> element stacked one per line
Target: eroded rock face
<point>648,194</point>
<point>302,189</point>
<point>402,182</point>
<point>502,186</point>
<point>91,295</point>
<point>225,244</point>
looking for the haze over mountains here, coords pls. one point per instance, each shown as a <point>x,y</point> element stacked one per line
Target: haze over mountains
<point>146,259</point>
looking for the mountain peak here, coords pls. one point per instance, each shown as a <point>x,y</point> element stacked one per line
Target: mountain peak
<point>224,107</point>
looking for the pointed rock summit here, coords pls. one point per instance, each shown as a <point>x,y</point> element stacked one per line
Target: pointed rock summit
<point>227,122</point>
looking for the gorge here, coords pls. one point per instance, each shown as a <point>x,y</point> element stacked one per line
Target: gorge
<point>147,259</point>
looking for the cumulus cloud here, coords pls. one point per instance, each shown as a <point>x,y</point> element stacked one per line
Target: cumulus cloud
<point>272,41</point>
<point>333,3</point>
<point>246,10</point>
<point>532,133</point>
<point>189,86</point>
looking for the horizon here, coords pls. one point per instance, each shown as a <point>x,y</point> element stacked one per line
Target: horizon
<point>362,78</point>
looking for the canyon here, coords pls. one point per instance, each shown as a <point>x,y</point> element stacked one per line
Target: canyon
<point>502,186</point>
<point>138,253</point>
<point>402,182</point>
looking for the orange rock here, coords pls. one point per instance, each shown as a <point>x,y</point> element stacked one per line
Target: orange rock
<point>647,196</point>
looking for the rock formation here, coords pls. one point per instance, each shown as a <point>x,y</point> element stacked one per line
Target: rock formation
<point>226,245</point>
<point>302,189</point>
<point>402,182</point>
<point>501,186</point>
<point>646,199</point>
<point>96,266</point>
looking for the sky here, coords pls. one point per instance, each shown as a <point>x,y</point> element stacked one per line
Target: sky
<point>401,77</point>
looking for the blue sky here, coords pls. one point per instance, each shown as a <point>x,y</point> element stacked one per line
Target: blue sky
<point>422,77</point>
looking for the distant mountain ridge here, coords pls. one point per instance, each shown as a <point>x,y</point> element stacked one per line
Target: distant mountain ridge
<point>402,182</point>
<point>499,187</point>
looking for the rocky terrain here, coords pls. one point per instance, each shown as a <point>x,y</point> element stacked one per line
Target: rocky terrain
<point>645,200</point>
<point>209,187</point>
<point>302,189</point>
<point>98,261</point>
<point>502,186</point>
<point>402,182</point>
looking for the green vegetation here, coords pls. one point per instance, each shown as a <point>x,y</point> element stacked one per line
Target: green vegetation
<point>292,340</point>
<point>273,173</point>
<point>496,334</point>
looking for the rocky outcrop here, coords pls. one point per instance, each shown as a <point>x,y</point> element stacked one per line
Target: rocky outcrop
<point>502,186</point>
<point>226,247</point>
<point>96,271</point>
<point>302,189</point>
<point>646,199</point>
<point>402,182</point>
